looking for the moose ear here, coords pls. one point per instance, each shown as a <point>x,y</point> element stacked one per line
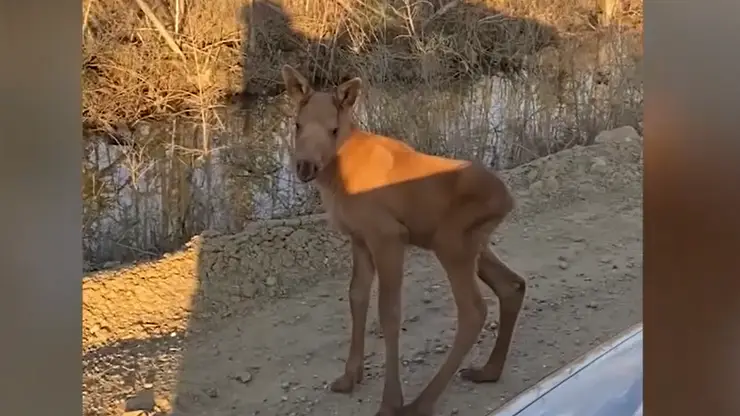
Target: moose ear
<point>296,84</point>
<point>348,92</point>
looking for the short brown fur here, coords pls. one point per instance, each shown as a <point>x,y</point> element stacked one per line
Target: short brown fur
<point>386,196</point>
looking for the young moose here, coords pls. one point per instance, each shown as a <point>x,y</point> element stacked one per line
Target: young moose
<point>385,196</point>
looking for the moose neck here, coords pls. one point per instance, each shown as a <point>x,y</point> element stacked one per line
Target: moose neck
<point>330,178</point>
<point>329,181</point>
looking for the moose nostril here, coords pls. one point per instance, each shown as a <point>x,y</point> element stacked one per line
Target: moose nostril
<point>301,165</point>
<point>305,169</point>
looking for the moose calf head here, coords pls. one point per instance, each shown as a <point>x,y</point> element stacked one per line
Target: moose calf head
<point>323,120</point>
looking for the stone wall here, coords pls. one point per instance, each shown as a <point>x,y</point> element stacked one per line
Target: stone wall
<point>221,275</point>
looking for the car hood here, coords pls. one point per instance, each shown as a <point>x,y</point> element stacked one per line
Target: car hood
<point>607,381</point>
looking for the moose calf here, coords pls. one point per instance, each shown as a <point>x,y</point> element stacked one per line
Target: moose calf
<point>385,196</point>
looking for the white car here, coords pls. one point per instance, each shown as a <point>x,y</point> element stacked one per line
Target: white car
<point>607,381</point>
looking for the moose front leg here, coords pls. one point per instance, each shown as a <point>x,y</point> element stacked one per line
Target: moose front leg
<point>388,255</point>
<point>363,272</point>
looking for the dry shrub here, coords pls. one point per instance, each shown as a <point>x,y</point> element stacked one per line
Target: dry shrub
<point>130,74</point>
<point>567,96</point>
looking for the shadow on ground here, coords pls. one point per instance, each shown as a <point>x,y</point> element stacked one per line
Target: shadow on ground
<point>150,357</point>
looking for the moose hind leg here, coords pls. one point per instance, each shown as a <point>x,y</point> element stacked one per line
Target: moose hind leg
<point>459,263</point>
<point>510,288</point>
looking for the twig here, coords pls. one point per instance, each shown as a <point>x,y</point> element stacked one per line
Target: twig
<point>442,10</point>
<point>410,18</point>
<point>86,16</point>
<point>160,28</point>
<point>177,17</point>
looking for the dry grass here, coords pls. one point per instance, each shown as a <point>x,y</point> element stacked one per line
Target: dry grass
<point>130,73</point>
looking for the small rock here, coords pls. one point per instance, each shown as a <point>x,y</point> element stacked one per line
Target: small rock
<point>111,264</point>
<point>454,411</point>
<point>212,392</point>
<point>210,233</point>
<point>563,265</point>
<point>440,349</point>
<point>625,132</point>
<point>592,305</point>
<point>163,405</point>
<point>271,281</point>
<point>285,385</point>
<point>143,400</point>
<point>599,165</point>
<point>244,377</point>
<point>419,359</point>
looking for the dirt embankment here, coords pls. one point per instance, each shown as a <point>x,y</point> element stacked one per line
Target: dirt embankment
<point>238,307</point>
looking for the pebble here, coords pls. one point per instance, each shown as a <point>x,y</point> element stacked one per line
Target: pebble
<point>163,405</point>
<point>244,377</point>
<point>144,400</point>
<point>563,265</point>
<point>212,392</point>
<point>599,165</point>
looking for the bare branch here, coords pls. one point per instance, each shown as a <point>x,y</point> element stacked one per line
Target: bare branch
<point>177,17</point>
<point>86,16</point>
<point>160,28</point>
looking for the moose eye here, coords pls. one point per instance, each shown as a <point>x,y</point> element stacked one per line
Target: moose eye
<point>334,132</point>
<point>297,127</point>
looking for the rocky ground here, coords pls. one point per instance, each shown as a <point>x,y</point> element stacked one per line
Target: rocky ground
<point>257,323</point>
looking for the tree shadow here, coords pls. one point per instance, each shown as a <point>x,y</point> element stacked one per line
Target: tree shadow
<point>153,350</point>
<point>443,44</point>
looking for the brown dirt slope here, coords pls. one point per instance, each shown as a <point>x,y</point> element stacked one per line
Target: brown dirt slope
<point>256,323</point>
